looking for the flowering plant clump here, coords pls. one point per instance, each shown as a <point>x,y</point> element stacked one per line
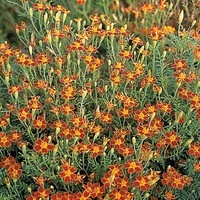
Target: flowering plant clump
<point>100,104</point>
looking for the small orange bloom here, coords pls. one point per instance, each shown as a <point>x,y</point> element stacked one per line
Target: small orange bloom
<point>172,139</point>
<point>124,112</point>
<point>4,140</point>
<point>24,113</point>
<point>125,54</point>
<point>169,195</point>
<point>133,166</point>
<point>39,123</point>
<point>106,117</point>
<point>14,171</point>
<point>142,182</point>
<point>43,146</point>
<point>95,150</point>
<point>141,115</point>
<point>42,193</point>
<point>194,150</point>
<point>67,172</point>
<point>179,65</point>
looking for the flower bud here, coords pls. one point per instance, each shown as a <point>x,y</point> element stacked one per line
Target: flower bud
<point>31,12</point>
<point>45,17</point>
<point>181,16</point>
<point>188,142</point>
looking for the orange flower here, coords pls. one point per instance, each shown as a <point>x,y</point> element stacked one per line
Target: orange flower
<point>117,142</point>
<point>95,150</point>
<point>179,65</point>
<point>148,80</point>
<point>68,92</point>
<point>67,109</point>
<point>39,180</point>
<point>194,150</point>
<point>147,8</point>
<point>40,84</point>
<point>39,123</point>
<point>34,103</point>
<point>80,2</point>
<point>169,195</point>
<point>78,132</point>
<point>67,172</point>
<point>142,182</point>
<point>141,115</point>
<point>123,183</point>
<point>14,171</point>
<point>4,140</point>
<point>124,112</point>
<point>24,113</point>
<point>106,117</point>
<point>172,139</point>
<point>42,193</point>
<point>184,93</point>
<point>133,167</point>
<point>94,189</point>
<point>14,88</point>
<point>195,100</point>
<point>15,136</point>
<point>156,34</point>
<point>119,194</point>
<point>164,107</point>
<point>125,54</point>
<point>6,162</point>
<point>77,121</point>
<point>125,151</point>
<point>43,58</point>
<point>3,122</point>
<point>39,6</point>
<point>172,178</point>
<point>43,146</point>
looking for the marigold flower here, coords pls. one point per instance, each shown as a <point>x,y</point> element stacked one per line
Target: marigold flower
<point>124,112</point>
<point>6,162</point>
<point>43,146</point>
<point>141,115</point>
<point>106,117</point>
<point>125,151</point>
<point>164,107</point>
<point>78,132</point>
<point>3,122</point>
<point>142,182</point>
<point>119,194</point>
<point>15,136</point>
<point>133,166</point>
<point>68,92</point>
<point>14,171</point>
<point>39,123</point>
<point>172,139</point>
<point>40,84</point>
<point>67,172</point>
<point>4,140</point>
<point>42,193</point>
<point>95,149</point>
<point>125,54</point>
<point>39,180</point>
<point>169,195</point>
<point>24,113</point>
<point>34,103</point>
<point>117,142</point>
<point>14,88</point>
<point>148,80</point>
<point>94,189</point>
<point>194,150</point>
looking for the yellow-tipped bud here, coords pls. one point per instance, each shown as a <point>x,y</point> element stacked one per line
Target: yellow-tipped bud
<point>181,16</point>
